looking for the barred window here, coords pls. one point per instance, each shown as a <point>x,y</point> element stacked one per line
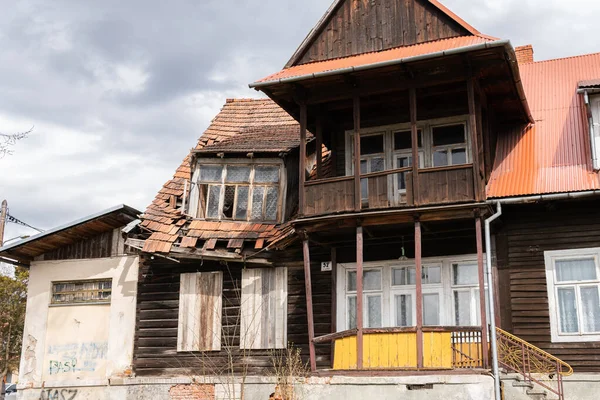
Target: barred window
<point>76,292</point>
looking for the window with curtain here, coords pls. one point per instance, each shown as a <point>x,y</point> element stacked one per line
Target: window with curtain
<point>237,191</point>
<point>573,279</point>
<point>450,293</point>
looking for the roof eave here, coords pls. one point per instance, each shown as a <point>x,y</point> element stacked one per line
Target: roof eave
<point>121,207</point>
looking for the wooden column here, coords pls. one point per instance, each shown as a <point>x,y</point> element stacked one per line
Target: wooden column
<point>359,297</point>
<point>474,137</point>
<point>333,299</point>
<point>482,308</point>
<point>415,144</point>
<point>419,293</point>
<point>309,306</point>
<point>357,196</point>
<point>302,172</point>
<point>319,144</point>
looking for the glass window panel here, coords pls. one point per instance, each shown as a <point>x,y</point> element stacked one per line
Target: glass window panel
<point>590,307</point>
<point>257,203</point>
<point>228,200</point>
<point>403,140</point>
<point>372,279</point>
<point>363,166</point>
<point>440,158</point>
<point>402,162</point>
<point>450,134</point>
<point>211,173</point>
<point>377,164</point>
<point>465,274</point>
<point>241,209</point>
<point>214,192</point>
<point>272,202</point>
<point>459,156</point>
<point>351,281</point>
<point>462,308</point>
<point>431,309</point>
<point>576,270</point>
<point>364,189</point>
<point>567,309</point>
<point>266,174</point>
<point>237,174</point>
<point>371,144</point>
<point>351,312</point>
<point>432,275</point>
<point>374,311</point>
<point>404,310</point>
<point>403,276</point>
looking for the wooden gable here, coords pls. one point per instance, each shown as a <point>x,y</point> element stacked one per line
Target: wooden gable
<point>352,27</point>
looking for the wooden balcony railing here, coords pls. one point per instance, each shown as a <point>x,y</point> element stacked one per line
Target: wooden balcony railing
<point>444,348</point>
<point>390,188</point>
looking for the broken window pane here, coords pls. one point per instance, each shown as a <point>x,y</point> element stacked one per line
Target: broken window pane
<point>214,192</point>
<point>266,174</point>
<point>228,201</point>
<point>238,174</point>
<point>272,202</point>
<point>211,173</point>
<point>257,203</point>
<point>241,209</point>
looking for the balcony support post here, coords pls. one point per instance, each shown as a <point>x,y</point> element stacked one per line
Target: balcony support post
<point>414,132</point>
<point>473,128</point>
<point>356,113</point>
<point>333,299</point>
<point>309,304</point>
<point>419,293</point>
<point>359,297</point>
<point>302,172</point>
<point>482,297</point>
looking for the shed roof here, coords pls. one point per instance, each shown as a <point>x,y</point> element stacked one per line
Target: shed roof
<point>553,155</point>
<point>72,232</point>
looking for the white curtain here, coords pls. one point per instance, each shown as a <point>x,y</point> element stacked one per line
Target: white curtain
<point>575,270</point>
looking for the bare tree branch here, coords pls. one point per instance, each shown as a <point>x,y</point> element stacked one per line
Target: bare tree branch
<point>9,140</point>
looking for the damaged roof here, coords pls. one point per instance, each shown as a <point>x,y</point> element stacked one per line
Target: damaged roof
<point>552,155</point>
<point>242,125</point>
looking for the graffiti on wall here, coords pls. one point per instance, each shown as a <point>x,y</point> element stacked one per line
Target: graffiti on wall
<point>58,394</point>
<point>75,357</point>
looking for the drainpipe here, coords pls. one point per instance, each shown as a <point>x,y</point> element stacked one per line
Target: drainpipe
<point>493,339</point>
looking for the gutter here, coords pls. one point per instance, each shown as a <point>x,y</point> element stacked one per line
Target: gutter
<point>461,50</point>
<point>545,197</point>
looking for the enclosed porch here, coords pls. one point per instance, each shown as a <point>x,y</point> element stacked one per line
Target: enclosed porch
<point>407,292</point>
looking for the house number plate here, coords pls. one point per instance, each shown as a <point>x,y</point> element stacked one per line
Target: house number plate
<point>326,266</point>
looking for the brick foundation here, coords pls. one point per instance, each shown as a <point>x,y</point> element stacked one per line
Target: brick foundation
<point>192,392</point>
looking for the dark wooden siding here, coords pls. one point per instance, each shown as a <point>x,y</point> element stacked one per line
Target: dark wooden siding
<point>361,26</point>
<point>106,244</point>
<point>292,162</point>
<point>531,230</point>
<point>155,350</point>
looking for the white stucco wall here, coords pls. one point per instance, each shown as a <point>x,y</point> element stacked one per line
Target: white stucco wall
<point>98,337</point>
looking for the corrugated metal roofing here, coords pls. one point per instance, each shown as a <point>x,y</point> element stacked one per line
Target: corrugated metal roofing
<point>377,57</point>
<point>553,155</point>
<point>589,83</point>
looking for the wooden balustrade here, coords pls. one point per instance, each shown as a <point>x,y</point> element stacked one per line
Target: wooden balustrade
<point>443,185</point>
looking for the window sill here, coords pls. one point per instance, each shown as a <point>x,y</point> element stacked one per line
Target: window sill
<point>575,338</point>
<point>91,303</point>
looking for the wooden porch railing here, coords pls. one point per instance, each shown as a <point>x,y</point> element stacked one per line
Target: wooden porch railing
<point>444,348</point>
<point>534,364</point>
<point>390,188</point>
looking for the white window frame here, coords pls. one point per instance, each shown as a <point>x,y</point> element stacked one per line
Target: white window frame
<point>473,290</point>
<point>550,258</point>
<point>195,206</point>
<point>444,289</point>
<point>595,129</point>
<point>449,147</point>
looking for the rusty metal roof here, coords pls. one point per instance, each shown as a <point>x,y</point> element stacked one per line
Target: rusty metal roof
<point>366,60</point>
<point>553,155</point>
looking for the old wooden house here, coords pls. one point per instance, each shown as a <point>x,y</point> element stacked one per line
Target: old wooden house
<point>413,208</point>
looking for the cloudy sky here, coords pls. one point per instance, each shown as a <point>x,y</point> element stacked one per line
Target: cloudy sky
<point>119,91</point>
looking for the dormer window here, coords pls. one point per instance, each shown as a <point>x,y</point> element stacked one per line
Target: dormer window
<point>238,191</point>
<point>595,129</point>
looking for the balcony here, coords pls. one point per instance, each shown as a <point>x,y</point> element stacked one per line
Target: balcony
<point>381,190</point>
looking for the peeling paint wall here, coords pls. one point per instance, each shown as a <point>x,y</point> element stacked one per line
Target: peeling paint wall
<point>78,345</point>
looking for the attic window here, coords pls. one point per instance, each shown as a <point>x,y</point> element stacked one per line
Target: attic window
<point>595,129</point>
<point>239,192</point>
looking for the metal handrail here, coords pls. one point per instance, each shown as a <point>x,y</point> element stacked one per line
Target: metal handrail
<point>569,369</point>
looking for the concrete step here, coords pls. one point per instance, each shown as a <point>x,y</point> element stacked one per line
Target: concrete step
<point>523,384</point>
<point>537,394</point>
